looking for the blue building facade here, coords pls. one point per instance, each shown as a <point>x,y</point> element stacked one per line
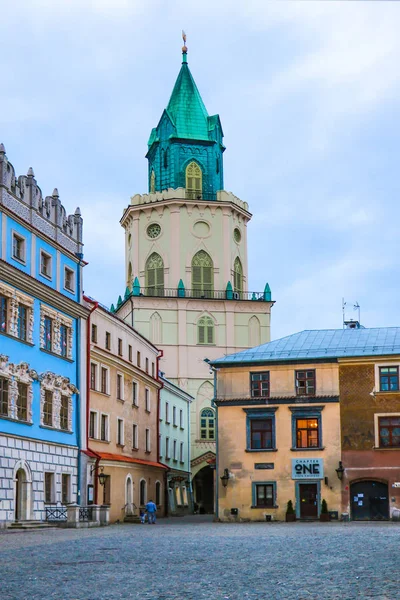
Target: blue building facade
<point>42,360</point>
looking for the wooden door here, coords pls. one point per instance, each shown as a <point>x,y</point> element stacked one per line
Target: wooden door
<point>308,501</point>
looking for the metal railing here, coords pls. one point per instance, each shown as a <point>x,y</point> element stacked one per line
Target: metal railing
<point>289,396</point>
<point>162,292</point>
<point>56,513</point>
<point>197,195</point>
<point>86,513</point>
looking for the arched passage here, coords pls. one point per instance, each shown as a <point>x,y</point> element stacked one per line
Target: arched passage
<point>203,490</point>
<point>22,492</point>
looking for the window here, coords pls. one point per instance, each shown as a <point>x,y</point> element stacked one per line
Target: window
<point>167,447</point>
<point>104,428</point>
<point>93,425</point>
<point>202,275</point>
<point>135,444</point>
<point>64,408</point>
<point>134,393</point>
<point>142,497</point>
<point>194,181</point>
<point>389,379</point>
<point>108,340</point>
<point>119,347</point>
<point>259,383</point>
<point>65,488</point>
<point>94,334</point>
<point>22,402</point>
<point>147,440</point>
<point>22,322</point>
<point>48,408</point>
<point>389,432</point>
<point>307,433</point>
<point>120,432</point>
<point>69,276</point>
<point>130,353</point>
<point>3,314</point>
<point>18,247</point>
<point>138,359</point>
<point>147,400</point>
<point>207,424</point>
<point>147,365</point>
<point>174,455</point>
<point>48,333</point>
<point>158,493</point>
<point>181,418</point>
<point>174,423</point>
<point>120,385</point>
<point>154,275</point>
<point>305,383</point>
<point>63,340</point>
<point>49,487</point>
<point>153,369</point>
<point>104,378</point>
<point>205,331</point>
<point>181,452</point>
<point>260,429</point>
<point>93,376</point>
<point>167,412</point>
<point>237,276</point>
<point>263,494</point>
<point>3,397</point>
<point>45,264</point>
<point>160,445</point>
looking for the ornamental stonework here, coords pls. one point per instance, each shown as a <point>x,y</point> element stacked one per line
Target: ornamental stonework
<point>18,373</point>
<point>58,386</point>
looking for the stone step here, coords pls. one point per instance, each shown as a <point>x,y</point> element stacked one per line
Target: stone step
<point>32,525</point>
<point>132,519</point>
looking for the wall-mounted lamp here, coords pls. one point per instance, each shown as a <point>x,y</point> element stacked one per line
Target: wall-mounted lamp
<point>340,471</point>
<point>225,478</point>
<point>102,477</point>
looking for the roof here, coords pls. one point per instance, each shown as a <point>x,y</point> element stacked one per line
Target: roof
<point>320,344</point>
<point>129,459</point>
<point>186,108</point>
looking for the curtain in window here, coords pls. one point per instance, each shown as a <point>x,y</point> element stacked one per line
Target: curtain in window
<point>155,275</point>
<point>202,275</point>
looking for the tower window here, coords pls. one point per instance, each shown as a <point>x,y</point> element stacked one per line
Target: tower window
<point>202,275</point>
<point>155,275</point>
<point>205,331</point>
<point>237,276</point>
<point>152,182</point>
<point>207,424</point>
<point>194,181</point>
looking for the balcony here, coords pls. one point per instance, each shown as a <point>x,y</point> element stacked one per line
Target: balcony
<point>163,292</point>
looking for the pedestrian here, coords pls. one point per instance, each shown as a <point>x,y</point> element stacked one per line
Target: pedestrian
<point>142,516</point>
<point>151,509</point>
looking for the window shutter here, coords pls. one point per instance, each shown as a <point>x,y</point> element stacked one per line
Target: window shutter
<point>201,330</point>
<point>151,277</point>
<point>210,332</point>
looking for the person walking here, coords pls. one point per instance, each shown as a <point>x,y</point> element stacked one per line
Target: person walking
<point>151,510</point>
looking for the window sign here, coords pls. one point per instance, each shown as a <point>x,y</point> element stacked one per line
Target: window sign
<point>307,468</point>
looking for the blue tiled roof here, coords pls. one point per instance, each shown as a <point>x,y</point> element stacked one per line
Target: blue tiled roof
<point>320,344</point>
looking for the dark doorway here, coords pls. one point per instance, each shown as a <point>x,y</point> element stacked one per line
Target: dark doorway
<point>369,501</point>
<point>203,487</point>
<point>308,494</point>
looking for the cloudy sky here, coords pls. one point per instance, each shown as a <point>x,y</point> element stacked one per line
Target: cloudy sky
<point>308,95</point>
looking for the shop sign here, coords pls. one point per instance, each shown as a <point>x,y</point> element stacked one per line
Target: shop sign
<point>307,468</point>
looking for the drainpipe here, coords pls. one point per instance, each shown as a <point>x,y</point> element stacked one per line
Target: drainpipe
<point>188,456</point>
<point>160,355</point>
<point>214,405</point>
<point>88,333</point>
<point>78,380</point>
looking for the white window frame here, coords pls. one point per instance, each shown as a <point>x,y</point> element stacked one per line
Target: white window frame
<point>107,379</point>
<point>135,436</point>
<point>147,440</point>
<point>181,449</point>
<point>71,289</point>
<point>135,401</point>
<point>22,238</point>
<point>120,438</point>
<point>147,400</point>
<point>121,398</point>
<point>103,414</point>
<point>377,366</point>
<point>50,259</point>
<point>174,422</point>
<point>174,450</point>
<point>181,418</point>
<point>96,424</point>
<point>167,449</point>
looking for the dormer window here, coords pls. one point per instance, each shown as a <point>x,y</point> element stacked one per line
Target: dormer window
<point>194,181</point>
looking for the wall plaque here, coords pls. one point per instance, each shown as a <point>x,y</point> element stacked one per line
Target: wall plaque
<point>263,465</point>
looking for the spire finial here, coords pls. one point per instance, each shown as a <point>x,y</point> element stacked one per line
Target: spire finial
<point>184,47</point>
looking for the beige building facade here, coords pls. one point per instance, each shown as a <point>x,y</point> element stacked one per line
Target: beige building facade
<point>122,467</point>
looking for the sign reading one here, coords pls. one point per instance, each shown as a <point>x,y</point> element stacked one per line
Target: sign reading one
<point>307,468</point>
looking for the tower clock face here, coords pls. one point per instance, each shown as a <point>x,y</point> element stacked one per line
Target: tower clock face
<point>153,230</point>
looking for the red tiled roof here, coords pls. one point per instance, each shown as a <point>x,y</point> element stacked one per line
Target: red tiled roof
<point>129,459</point>
<point>90,453</point>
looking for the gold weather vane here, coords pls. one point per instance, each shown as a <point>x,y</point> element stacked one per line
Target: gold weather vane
<point>184,48</point>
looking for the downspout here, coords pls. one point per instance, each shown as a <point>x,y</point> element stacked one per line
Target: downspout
<point>78,382</point>
<point>160,355</point>
<point>88,333</point>
<point>214,405</point>
<point>188,457</point>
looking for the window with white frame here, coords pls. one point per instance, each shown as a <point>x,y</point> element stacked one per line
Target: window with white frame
<point>174,453</point>
<point>167,455</point>
<point>135,393</point>
<point>167,412</point>
<point>18,247</point>
<point>16,392</point>
<point>181,452</point>
<point>120,386</point>
<point>93,376</point>
<point>181,418</point>
<point>147,440</point>
<point>69,279</point>
<point>104,429</point>
<point>135,439</point>
<point>16,313</point>
<point>120,432</point>
<point>174,422</point>
<point>45,264</point>
<point>104,387</point>
<point>147,397</point>
<point>55,332</point>
<point>56,401</point>
<point>93,424</point>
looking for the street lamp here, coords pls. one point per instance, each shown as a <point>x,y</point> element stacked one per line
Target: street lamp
<point>102,477</point>
<point>225,478</point>
<point>340,471</point>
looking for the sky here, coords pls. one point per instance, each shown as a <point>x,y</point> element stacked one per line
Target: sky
<point>308,96</point>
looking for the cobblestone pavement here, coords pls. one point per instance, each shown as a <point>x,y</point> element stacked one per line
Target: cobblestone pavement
<point>197,559</point>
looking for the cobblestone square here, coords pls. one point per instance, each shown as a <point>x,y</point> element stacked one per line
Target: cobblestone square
<point>193,559</point>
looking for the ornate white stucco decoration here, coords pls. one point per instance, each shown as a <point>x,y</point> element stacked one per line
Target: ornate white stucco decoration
<point>59,386</point>
<point>16,298</point>
<point>17,373</point>
<point>57,319</point>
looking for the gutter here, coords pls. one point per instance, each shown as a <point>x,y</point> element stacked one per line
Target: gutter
<point>214,405</point>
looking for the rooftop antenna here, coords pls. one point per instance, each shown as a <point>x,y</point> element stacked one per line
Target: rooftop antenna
<point>357,307</point>
<point>343,312</point>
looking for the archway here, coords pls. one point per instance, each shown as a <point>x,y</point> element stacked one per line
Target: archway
<point>203,490</point>
<point>129,496</point>
<point>21,495</point>
<point>369,500</point>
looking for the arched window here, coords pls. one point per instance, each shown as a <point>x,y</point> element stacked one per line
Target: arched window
<point>158,493</point>
<point>142,499</point>
<point>155,275</point>
<point>237,275</point>
<point>205,331</point>
<point>194,181</point>
<point>254,332</point>
<point>202,275</point>
<point>207,424</point>
<point>152,182</point>
<point>156,328</point>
